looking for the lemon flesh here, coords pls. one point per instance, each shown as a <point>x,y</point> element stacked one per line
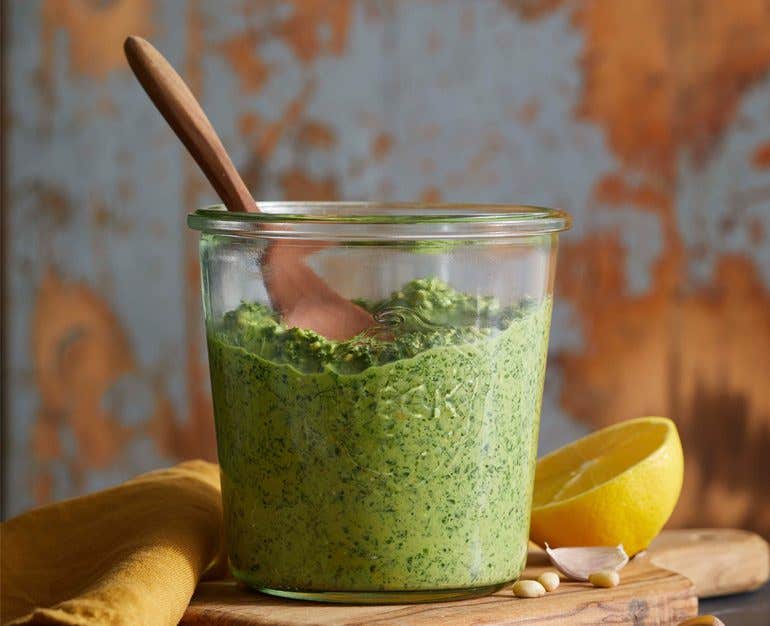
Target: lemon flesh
<point>618,485</point>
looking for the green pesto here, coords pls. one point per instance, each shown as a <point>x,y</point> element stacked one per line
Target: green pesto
<point>399,461</point>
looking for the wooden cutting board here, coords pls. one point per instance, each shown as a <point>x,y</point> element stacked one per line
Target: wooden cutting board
<point>716,561</point>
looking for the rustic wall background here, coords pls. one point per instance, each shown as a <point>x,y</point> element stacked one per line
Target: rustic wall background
<point>648,119</point>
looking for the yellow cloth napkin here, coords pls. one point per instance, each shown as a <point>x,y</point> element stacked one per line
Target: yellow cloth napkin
<point>128,555</point>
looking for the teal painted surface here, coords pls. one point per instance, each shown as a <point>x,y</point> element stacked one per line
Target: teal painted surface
<point>488,101</point>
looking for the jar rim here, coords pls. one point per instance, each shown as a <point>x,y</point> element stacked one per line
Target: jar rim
<point>381,220</point>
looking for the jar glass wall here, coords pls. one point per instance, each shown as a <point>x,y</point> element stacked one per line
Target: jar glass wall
<point>396,465</point>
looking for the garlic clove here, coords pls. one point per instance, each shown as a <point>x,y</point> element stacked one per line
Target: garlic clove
<point>580,563</point>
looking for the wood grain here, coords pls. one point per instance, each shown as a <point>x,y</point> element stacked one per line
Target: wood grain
<point>647,595</point>
<point>659,586</point>
<point>718,561</point>
<point>181,110</point>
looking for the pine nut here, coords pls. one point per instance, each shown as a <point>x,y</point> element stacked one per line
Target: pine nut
<point>604,578</point>
<point>549,580</point>
<point>528,589</point>
<point>703,620</point>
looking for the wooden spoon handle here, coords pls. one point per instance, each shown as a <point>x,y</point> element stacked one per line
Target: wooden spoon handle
<point>177,104</point>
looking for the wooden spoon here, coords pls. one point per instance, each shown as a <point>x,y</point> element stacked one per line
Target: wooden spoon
<point>303,299</point>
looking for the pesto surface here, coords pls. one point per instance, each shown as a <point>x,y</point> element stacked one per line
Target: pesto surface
<point>402,460</point>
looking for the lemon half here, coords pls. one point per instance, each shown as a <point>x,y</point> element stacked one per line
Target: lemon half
<point>618,485</point>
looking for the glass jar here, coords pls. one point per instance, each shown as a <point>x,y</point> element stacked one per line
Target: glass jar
<point>396,465</point>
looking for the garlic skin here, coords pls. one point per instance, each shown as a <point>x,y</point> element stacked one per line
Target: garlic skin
<point>580,563</point>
